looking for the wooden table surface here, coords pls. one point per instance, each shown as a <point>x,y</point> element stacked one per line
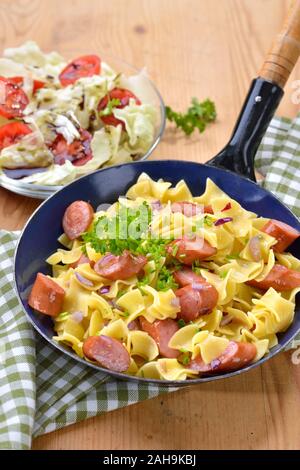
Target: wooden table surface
<point>203,48</point>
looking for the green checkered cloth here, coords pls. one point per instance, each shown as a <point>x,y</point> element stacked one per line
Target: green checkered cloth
<point>278,160</point>
<point>41,389</point>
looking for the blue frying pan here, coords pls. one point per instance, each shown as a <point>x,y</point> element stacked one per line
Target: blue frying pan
<point>232,170</point>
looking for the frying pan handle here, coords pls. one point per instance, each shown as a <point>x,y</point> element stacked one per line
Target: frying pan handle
<point>285,50</point>
<point>263,99</point>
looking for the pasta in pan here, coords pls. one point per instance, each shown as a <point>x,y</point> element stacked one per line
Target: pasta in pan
<point>169,286</point>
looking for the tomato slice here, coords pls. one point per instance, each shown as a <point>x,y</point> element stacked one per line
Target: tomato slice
<point>79,152</point>
<point>120,94</point>
<point>85,66</point>
<point>37,84</point>
<point>13,100</point>
<point>12,133</point>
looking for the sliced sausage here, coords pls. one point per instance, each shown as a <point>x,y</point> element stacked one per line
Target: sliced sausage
<point>187,276</point>
<point>284,234</point>
<point>77,219</point>
<point>196,299</point>
<point>187,250</point>
<point>83,259</point>
<point>189,209</point>
<point>235,356</point>
<point>46,296</point>
<point>280,278</point>
<point>108,352</point>
<point>161,331</point>
<point>120,267</point>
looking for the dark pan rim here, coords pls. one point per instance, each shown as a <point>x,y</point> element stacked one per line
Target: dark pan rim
<point>163,383</point>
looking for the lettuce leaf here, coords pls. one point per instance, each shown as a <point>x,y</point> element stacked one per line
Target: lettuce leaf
<point>82,98</point>
<point>43,66</point>
<point>56,175</point>
<point>140,126</point>
<point>30,152</point>
<point>50,124</point>
<point>107,150</point>
<point>91,90</point>
<point>140,85</point>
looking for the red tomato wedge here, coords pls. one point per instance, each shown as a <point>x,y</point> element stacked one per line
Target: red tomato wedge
<point>85,66</point>
<point>79,152</point>
<point>37,84</point>
<point>117,94</point>
<point>12,133</point>
<point>13,100</point>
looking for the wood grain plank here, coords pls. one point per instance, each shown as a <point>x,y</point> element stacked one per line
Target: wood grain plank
<point>191,48</point>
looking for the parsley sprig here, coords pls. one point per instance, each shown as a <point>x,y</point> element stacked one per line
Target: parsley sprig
<point>112,235</point>
<point>111,104</point>
<point>165,280</point>
<point>197,116</point>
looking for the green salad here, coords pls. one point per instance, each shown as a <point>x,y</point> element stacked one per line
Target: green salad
<point>60,120</point>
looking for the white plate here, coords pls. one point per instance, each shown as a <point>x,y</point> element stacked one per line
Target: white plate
<point>43,191</point>
<point>26,189</point>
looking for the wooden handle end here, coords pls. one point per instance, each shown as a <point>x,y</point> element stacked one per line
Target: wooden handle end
<point>285,50</point>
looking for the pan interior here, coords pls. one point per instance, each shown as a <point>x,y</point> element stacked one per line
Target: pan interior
<point>39,238</point>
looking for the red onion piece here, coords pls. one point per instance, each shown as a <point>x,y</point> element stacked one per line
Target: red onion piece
<point>223,221</point>
<point>226,320</point>
<point>104,289</point>
<point>255,248</point>
<point>83,280</point>
<point>175,302</point>
<point>227,207</point>
<point>215,364</point>
<point>77,317</point>
<point>156,205</point>
<point>113,304</point>
<point>133,325</point>
<point>106,258</point>
<point>197,285</point>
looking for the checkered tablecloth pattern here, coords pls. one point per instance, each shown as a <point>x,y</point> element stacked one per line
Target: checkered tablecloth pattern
<point>42,390</point>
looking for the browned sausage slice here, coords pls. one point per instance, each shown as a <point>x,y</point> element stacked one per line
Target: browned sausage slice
<point>108,352</point>
<point>46,296</point>
<point>120,267</point>
<point>187,250</point>
<point>235,356</point>
<point>187,276</point>
<point>161,331</point>
<point>189,209</point>
<point>195,300</point>
<point>280,278</point>
<point>284,234</point>
<point>77,219</point>
<point>83,259</point>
